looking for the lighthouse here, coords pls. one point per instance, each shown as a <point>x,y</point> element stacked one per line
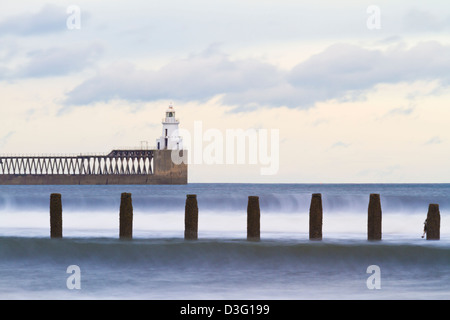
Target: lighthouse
<point>170,139</point>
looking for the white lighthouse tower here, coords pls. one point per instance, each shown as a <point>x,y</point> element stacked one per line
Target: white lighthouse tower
<point>170,138</point>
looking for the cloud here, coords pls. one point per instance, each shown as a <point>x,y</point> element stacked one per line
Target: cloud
<point>434,140</point>
<point>343,68</point>
<point>198,77</point>
<point>4,140</point>
<point>400,111</point>
<point>341,71</point>
<point>59,60</point>
<point>55,61</point>
<point>51,18</point>
<point>340,144</point>
<point>419,20</point>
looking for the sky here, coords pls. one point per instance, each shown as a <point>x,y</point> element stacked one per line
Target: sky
<point>336,92</point>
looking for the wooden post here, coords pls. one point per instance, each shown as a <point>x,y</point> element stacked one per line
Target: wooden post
<point>374,218</point>
<point>315,217</point>
<point>433,222</point>
<point>191,218</point>
<point>55,216</point>
<point>126,216</point>
<point>253,219</point>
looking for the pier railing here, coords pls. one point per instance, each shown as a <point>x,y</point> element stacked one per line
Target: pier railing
<point>126,162</point>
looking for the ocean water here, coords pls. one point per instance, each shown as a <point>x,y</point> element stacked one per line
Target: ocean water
<point>159,264</point>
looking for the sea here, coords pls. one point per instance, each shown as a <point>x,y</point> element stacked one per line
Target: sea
<point>91,262</point>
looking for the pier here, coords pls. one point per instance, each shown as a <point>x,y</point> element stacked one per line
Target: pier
<point>138,166</point>
<point>116,162</point>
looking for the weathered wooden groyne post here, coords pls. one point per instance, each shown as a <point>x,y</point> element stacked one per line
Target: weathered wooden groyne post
<point>433,222</point>
<point>374,217</point>
<point>315,217</point>
<point>126,216</point>
<point>55,215</point>
<point>191,218</point>
<point>253,219</point>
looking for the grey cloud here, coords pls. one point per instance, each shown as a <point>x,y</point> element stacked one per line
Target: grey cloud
<point>339,67</point>
<point>199,77</point>
<point>51,18</point>
<point>342,68</point>
<point>419,20</point>
<point>342,71</point>
<point>58,61</point>
<point>55,61</point>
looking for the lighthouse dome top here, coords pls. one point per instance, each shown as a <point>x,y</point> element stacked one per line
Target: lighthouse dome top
<point>170,108</point>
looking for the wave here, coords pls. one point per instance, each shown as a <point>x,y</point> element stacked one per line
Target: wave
<point>159,210</point>
<point>171,268</point>
<point>220,225</point>
<point>223,197</point>
<point>178,253</point>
